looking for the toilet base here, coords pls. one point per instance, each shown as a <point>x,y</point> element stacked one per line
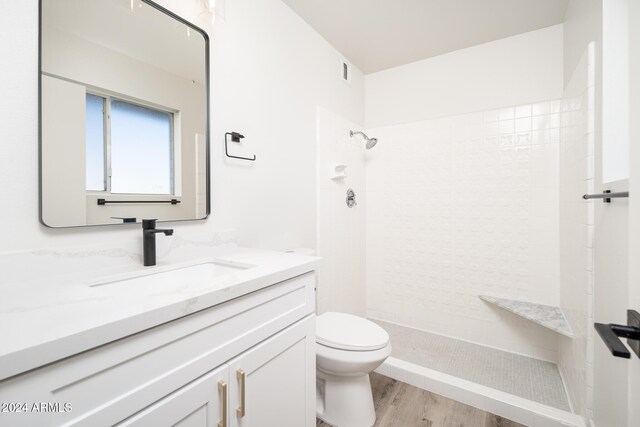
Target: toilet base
<point>344,401</point>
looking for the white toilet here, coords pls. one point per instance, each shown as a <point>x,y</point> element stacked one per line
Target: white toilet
<point>348,348</point>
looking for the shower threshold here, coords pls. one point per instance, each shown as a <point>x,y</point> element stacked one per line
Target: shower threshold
<point>526,390</point>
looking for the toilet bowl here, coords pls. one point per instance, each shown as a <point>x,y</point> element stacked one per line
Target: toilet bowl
<point>348,348</point>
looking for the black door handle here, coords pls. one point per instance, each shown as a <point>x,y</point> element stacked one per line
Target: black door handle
<point>610,335</point>
<point>612,341</point>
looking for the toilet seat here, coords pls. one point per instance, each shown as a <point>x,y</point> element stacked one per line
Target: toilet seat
<point>344,331</point>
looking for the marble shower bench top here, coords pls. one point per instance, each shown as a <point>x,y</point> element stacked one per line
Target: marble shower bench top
<point>549,316</point>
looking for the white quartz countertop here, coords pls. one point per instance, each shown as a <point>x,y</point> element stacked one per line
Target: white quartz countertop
<point>49,309</point>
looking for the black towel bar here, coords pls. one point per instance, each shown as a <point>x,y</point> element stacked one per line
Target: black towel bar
<point>102,202</point>
<point>606,196</point>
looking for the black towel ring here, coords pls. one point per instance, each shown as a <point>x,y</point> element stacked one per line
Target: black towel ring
<point>235,137</point>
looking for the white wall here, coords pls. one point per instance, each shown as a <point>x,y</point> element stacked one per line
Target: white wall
<point>634,184</point>
<point>516,70</point>
<point>582,25</point>
<point>577,160</point>
<point>341,230</point>
<point>270,70</point>
<point>611,241</point>
<point>604,401</point>
<point>615,90</point>
<point>465,205</point>
<point>611,302</point>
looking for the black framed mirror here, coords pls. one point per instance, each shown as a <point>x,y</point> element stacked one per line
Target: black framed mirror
<point>124,114</point>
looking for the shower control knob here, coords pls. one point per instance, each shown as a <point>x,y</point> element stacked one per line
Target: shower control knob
<point>351,198</point>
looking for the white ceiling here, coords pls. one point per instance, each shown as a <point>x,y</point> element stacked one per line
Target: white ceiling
<point>379,34</point>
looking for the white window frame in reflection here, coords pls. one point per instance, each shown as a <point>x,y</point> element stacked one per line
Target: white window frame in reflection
<point>174,143</point>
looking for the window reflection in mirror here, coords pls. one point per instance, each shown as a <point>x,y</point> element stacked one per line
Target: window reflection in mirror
<point>95,144</point>
<point>124,113</point>
<point>130,149</point>
<point>141,149</point>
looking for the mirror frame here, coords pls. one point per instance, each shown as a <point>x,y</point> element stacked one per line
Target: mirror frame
<point>207,121</point>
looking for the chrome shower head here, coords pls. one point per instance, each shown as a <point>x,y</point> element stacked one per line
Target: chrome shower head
<point>371,142</point>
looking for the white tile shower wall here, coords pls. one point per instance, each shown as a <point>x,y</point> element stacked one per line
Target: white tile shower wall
<point>577,232</point>
<point>341,230</point>
<point>465,206</point>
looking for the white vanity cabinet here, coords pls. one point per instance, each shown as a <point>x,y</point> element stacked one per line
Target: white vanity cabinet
<point>270,383</point>
<point>198,404</point>
<point>253,356</point>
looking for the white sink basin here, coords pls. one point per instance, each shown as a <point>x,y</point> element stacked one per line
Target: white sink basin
<point>202,272</point>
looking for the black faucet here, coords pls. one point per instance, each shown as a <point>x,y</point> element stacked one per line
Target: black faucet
<point>149,232</point>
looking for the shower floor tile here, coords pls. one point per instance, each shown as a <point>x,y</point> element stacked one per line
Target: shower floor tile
<point>522,376</point>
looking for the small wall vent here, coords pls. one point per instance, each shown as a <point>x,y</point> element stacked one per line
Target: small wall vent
<point>346,72</point>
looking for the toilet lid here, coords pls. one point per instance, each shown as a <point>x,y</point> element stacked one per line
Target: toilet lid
<point>348,332</point>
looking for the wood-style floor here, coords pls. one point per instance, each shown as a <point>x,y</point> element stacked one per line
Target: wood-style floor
<point>401,405</point>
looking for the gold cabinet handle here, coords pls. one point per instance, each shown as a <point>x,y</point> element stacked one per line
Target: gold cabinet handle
<point>242,378</point>
<point>222,389</point>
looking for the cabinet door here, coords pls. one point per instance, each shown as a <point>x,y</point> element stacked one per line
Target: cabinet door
<point>201,403</point>
<point>273,384</point>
